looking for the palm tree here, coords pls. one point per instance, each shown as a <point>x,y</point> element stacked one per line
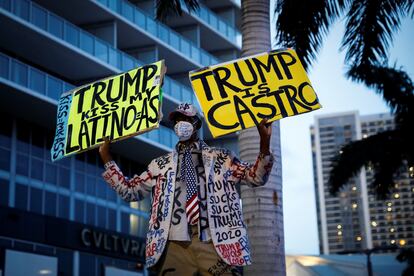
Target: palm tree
<point>302,25</point>
<point>369,29</point>
<point>407,255</point>
<point>262,207</point>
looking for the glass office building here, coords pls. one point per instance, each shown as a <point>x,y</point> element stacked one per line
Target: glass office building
<point>60,218</point>
<point>356,219</point>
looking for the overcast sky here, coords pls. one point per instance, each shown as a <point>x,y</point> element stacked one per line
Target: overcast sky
<point>336,94</point>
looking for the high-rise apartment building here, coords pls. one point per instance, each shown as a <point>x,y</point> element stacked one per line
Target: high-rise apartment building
<point>355,218</point>
<point>61,218</point>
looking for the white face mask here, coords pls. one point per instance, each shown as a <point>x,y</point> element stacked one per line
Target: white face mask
<point>184,130</point>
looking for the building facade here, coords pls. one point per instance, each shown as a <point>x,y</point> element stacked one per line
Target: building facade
<point>60,218</point>
<point>355,219</point>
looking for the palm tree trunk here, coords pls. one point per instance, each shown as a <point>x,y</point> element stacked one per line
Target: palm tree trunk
<point>262,207</point>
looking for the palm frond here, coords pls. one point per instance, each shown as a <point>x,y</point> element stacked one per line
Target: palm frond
<point>407,255</point>
<point>168,7</point>
<point>303,24</point>
<point>384,152</point>
<point>369,29</point>
<point>393,84</point>
<point>409,7</point>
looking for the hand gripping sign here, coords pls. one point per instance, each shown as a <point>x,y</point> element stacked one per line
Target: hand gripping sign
<point>236,95</point>
<point>117,107</point>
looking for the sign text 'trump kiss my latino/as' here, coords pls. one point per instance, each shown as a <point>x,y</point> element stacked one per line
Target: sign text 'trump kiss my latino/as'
<point>236,95</point>
<point>116,107</point>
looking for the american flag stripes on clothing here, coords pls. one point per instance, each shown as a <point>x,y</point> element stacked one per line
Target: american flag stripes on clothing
<point>188,174</point>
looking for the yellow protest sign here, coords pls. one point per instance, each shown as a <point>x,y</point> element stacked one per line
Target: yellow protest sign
<point>238,94</point>
<point>116,107</point>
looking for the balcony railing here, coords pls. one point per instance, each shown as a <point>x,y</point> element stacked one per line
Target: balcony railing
<point>139,18</point>
<point>212,19</point>
<point>32,78</point>
<point>44,84</point>
<point>80,39</point>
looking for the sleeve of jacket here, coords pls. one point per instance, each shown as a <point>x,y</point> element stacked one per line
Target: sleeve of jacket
<point>133,189</point>
<point>253,175</point>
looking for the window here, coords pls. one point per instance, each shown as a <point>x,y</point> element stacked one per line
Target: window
<point>21,263</point>
<point>127,10</point>
<point>101,188</point>
<point>125,223</point>
<point>140,18</point>
<point>112,195</point>
<point>72,34</point>
<point>86,42</point>
<point>36,170</point>
<point>22,164</point>
<point>79,211</point>
<point>127,63</point>
<point>19,73</point>
<point>90,185</point>
<point>111,219</point>
<point>37,81</point>
<point>21,197</point>
<point>37,142</point>
<point>4,159</point>
<point>101,50</point>
<point>80,183</point>
<point>114,57</point>
<point>4,67</point>
<point>87,264</point>
<point>90,213</point>
<point>64,178</point>
<point>51,173</point>
<point>50,204</point>
<point>22,9</point>
<point>143,226</point>
<point>4,192</point>
<point>65,162</point>
<point>152,26</point>
<point>63,207</point>
<point>65,262</point>
<point>23,137</point>
<point>5,130</point>
<point>101,217</point>
<point>54,87</point>
<point>36,200</point>
<point>39,17</point>
<point>175,88</point>
<point>79,162</point>
<point>55,26</point>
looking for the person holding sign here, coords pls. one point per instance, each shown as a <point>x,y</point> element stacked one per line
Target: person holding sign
<point>196,223</point>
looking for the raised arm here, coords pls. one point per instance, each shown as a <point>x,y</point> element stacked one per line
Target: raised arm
<point>133,189</point>
<point>255,174</point>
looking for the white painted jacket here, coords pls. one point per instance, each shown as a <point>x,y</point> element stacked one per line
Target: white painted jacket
<point>223,171</point>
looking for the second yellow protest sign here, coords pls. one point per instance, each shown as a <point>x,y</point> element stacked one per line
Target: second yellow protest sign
<point>116,107</point>
<point>239,94</point>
